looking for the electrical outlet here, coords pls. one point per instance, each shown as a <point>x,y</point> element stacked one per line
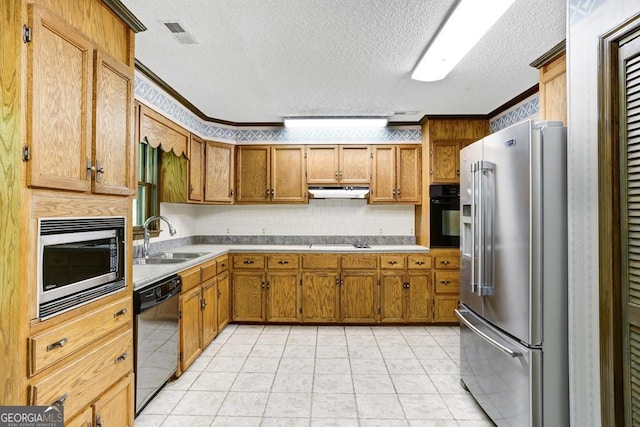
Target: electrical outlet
<point>227,230</point>
<point>381,231</point>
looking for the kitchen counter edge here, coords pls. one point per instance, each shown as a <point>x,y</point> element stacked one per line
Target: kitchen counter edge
<point>144,275</point>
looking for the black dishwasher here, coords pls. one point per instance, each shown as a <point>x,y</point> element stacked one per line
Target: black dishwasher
<point>156,309</point>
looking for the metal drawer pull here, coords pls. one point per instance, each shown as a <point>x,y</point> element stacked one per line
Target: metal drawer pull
<point>283,262</point>
<point>120,313</point>
<point>60,401</point>
<point>445,282</point>
<point>248,261</point>
<point>487,338</point>
<point>393,262</point>
<point>57,344</point>
<point>121,358</point>
<point>420,262</point>
<point>444,262</point>
<point>223,265</point>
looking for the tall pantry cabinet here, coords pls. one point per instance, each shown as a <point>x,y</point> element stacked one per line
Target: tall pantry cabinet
<point>66,150</point>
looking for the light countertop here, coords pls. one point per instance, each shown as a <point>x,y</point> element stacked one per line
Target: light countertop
<point>146,274</point>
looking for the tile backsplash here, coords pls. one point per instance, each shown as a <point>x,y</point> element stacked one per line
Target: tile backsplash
<point>320,221</point>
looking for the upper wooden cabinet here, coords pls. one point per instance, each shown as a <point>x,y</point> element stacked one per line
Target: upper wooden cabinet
<point>196,171</point>
<point>271,174</point>
<point>79,109</point>
<point>210,171</point>
<point>553,90</point>
<point>218,172</point>
<point>338,164</point>
<point>397,171</point>
<point>445,161</point>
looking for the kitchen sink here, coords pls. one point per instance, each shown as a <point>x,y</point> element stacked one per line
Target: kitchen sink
<point>177,255</point>
<point>143,261</point>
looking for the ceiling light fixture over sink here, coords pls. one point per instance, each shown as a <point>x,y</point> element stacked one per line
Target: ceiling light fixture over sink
<point>335,122</point>
<point>468,23</point>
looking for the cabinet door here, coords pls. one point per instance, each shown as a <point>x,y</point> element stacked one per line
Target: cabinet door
<point>113,147</point>
<point>190,321</point>
<point>444,307</point>
<point>287,175</point>
<point>355,164</point>
<point>209,312</point>
<point>85,419</point>
<point>196,172</point>
<point>115,407</point>
<point>392,296</point>
<point>359,297</point>
<point>224,301</point>
<point>420,297</point>
<point>59,102</point>
<point>321,297</point>
<point>383,184</point>
<point>445,163</point>
<point>283,297</point>
<point>322,164</point>
<point>248,290</point>
<point>253,174</point>
<point>218,173</point>
<point>408,174</point>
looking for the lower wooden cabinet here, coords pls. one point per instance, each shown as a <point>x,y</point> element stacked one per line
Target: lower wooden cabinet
<point>111,409</point>
<point>108,410</point>
<point>272,296</point>
<point>321,296</point>
<point>282,296</point>
<point>248,291</point>
<point>359,297</point>
<point>204,308</point>
<point>224,302</point>
<point>333,288</point>
<point>80,382</point>
<point>190,327</point>
<point>406,297</point>
<point>446,284</point>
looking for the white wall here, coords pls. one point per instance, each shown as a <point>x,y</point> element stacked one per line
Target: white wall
<point>318,218</point>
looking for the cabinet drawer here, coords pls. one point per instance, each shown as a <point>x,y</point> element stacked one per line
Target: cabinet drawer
<point>222,264</point>
<point>50,346</point>
<point>447,282</point>
<point>208,270</point>
<point>392,262</point>
<point>449,261</point>
<point>80,382</point>
<point>320,261</point>
<point>245,262</point>
<point>419,262</point>
<point>359,262</point>
<point>190,278</point>
<point>282,262</point>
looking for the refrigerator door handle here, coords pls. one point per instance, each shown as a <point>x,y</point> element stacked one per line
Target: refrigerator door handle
<point>474,209</point>
<point>496,344</point>
<point>485,285</point>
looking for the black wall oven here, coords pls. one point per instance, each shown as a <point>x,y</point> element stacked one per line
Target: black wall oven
<point>444,215</point>
<point>79,260</point>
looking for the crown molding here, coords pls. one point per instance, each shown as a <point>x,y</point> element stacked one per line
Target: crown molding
<point>555,52</point>
<point>125,14</point>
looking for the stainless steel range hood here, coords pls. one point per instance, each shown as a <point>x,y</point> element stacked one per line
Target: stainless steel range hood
<point>339,192</point>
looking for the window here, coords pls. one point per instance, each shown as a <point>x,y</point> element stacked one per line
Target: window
<point>147,203</point>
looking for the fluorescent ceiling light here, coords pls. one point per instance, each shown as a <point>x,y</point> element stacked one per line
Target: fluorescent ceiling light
<point>335,122</point>
<point>465,27</point>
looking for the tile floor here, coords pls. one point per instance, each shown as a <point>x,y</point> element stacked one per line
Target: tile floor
<point>321,376</point>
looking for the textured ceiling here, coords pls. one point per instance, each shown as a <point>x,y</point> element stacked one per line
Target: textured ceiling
<point>261,60</point>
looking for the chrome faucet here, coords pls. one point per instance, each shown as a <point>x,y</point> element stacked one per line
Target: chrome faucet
<point>145,247</point>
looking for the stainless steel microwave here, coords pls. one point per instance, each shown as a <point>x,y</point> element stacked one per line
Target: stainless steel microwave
<point>79,260</point>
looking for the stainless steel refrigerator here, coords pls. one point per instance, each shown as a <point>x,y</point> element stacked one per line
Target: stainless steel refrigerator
<point>513,284</point>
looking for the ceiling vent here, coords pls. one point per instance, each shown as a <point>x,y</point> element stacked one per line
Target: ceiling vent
<point>179,32</point>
